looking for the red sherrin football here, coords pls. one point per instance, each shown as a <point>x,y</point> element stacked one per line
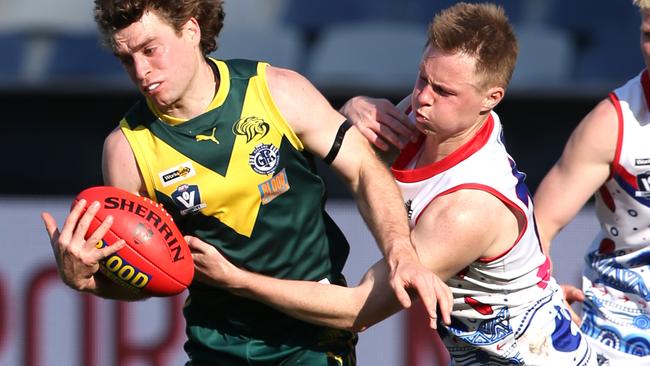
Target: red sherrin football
<point>156,258</point>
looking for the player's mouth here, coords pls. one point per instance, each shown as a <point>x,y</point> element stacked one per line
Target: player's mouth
<point>420,118</point>
<point>151,88</point>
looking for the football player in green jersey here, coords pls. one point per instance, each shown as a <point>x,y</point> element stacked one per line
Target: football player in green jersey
<point>227,148</point>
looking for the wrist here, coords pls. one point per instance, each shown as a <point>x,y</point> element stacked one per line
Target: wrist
<point>400,253</point>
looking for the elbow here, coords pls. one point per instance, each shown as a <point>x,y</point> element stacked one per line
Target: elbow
<point>357,327</point>
<point>361,324</point>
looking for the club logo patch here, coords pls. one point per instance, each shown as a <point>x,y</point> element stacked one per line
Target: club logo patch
<point>642,162</point>
<point>177,173</point>
<point>264,159</point>
<point>643,181</point>
<point>188,199</point>
<point>274,187</point>
<point>251,127</point>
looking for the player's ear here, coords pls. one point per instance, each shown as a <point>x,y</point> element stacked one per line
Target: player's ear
<point>192,30</point>
<point>492,97</point>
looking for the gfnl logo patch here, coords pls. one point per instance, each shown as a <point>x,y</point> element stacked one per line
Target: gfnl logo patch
<point>264,159</point>
<point>188,199</point>
<point>177,173</point>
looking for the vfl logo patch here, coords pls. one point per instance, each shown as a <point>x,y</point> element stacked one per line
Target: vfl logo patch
<point>643,181</point>
<point>264,159</point>
<point>188,199</point>
<point>177,173</point>
<point>642,162</point>
<point>274,187</point>
<point>251,127</point>
<point>142,233</point>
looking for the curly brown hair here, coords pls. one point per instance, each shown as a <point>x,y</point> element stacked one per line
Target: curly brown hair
<point>481,31</point>
<point>114,15</point>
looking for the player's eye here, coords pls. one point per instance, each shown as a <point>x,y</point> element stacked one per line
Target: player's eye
<point>149,51</point>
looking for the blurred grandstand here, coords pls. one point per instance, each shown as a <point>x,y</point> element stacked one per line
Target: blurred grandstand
<point>572,53</point>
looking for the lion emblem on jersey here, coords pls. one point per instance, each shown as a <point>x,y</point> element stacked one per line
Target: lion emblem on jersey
<point>251,127</point>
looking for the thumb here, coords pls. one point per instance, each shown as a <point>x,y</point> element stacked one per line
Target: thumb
<point>195,244</point>
<point>50,223</point>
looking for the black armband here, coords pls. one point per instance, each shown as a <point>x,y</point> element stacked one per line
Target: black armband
<point>338,140</point>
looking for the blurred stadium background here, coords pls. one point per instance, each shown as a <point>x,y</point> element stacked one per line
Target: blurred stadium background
<point>61,93</point>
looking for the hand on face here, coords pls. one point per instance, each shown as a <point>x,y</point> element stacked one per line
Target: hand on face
<point>78,258</point>
<point>380,122</point>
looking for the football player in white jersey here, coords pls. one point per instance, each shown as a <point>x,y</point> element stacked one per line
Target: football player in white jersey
<point>608,155</point>
<point>471,216</point>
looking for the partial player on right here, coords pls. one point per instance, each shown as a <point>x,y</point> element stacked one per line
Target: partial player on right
<point>608,155</point>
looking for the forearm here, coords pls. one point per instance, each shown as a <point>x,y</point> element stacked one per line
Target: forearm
<point>353,309</point>
<point>322,304</point>
<point>382,208</point>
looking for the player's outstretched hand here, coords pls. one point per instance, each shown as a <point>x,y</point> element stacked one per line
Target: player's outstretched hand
<point>571,295</point>
<point>409,276</point>
<point>211,267</point>
<point>380,122</point>
<point>78,258</point>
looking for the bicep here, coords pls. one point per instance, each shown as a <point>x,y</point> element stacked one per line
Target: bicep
<point>459,228</point>
<point>583,167</point>
<point>119,167</point>
<point>316,122</point>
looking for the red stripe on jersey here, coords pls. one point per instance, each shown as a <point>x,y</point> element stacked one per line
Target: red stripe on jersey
<point>478,306</point>
<point>495,193</point>
<point>465,151</point>
<point>619,140</point>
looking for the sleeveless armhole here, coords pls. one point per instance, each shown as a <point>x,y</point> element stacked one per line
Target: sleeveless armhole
<point>279,121</point>
<point>507,202</point>
<point>132,136</point>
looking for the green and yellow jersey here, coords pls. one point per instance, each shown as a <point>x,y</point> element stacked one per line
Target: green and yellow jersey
<point>239,178</point>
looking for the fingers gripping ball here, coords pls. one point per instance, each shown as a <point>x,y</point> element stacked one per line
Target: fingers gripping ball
<point>156,258</point>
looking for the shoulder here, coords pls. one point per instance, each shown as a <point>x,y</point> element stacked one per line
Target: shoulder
<point>597,133</point>
<point>292,92</point>
<point>119,166</point>
<point>115,142</point>
<point>305,109</point>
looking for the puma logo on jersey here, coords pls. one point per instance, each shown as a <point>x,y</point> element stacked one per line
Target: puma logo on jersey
<point>208,137</point>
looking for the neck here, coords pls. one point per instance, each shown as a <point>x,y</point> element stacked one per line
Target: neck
<point>197,96</point>
<point>437,147</point>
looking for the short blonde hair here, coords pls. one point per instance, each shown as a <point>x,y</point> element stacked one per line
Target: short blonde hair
<point>481,31</point>
<point>642,4</point>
